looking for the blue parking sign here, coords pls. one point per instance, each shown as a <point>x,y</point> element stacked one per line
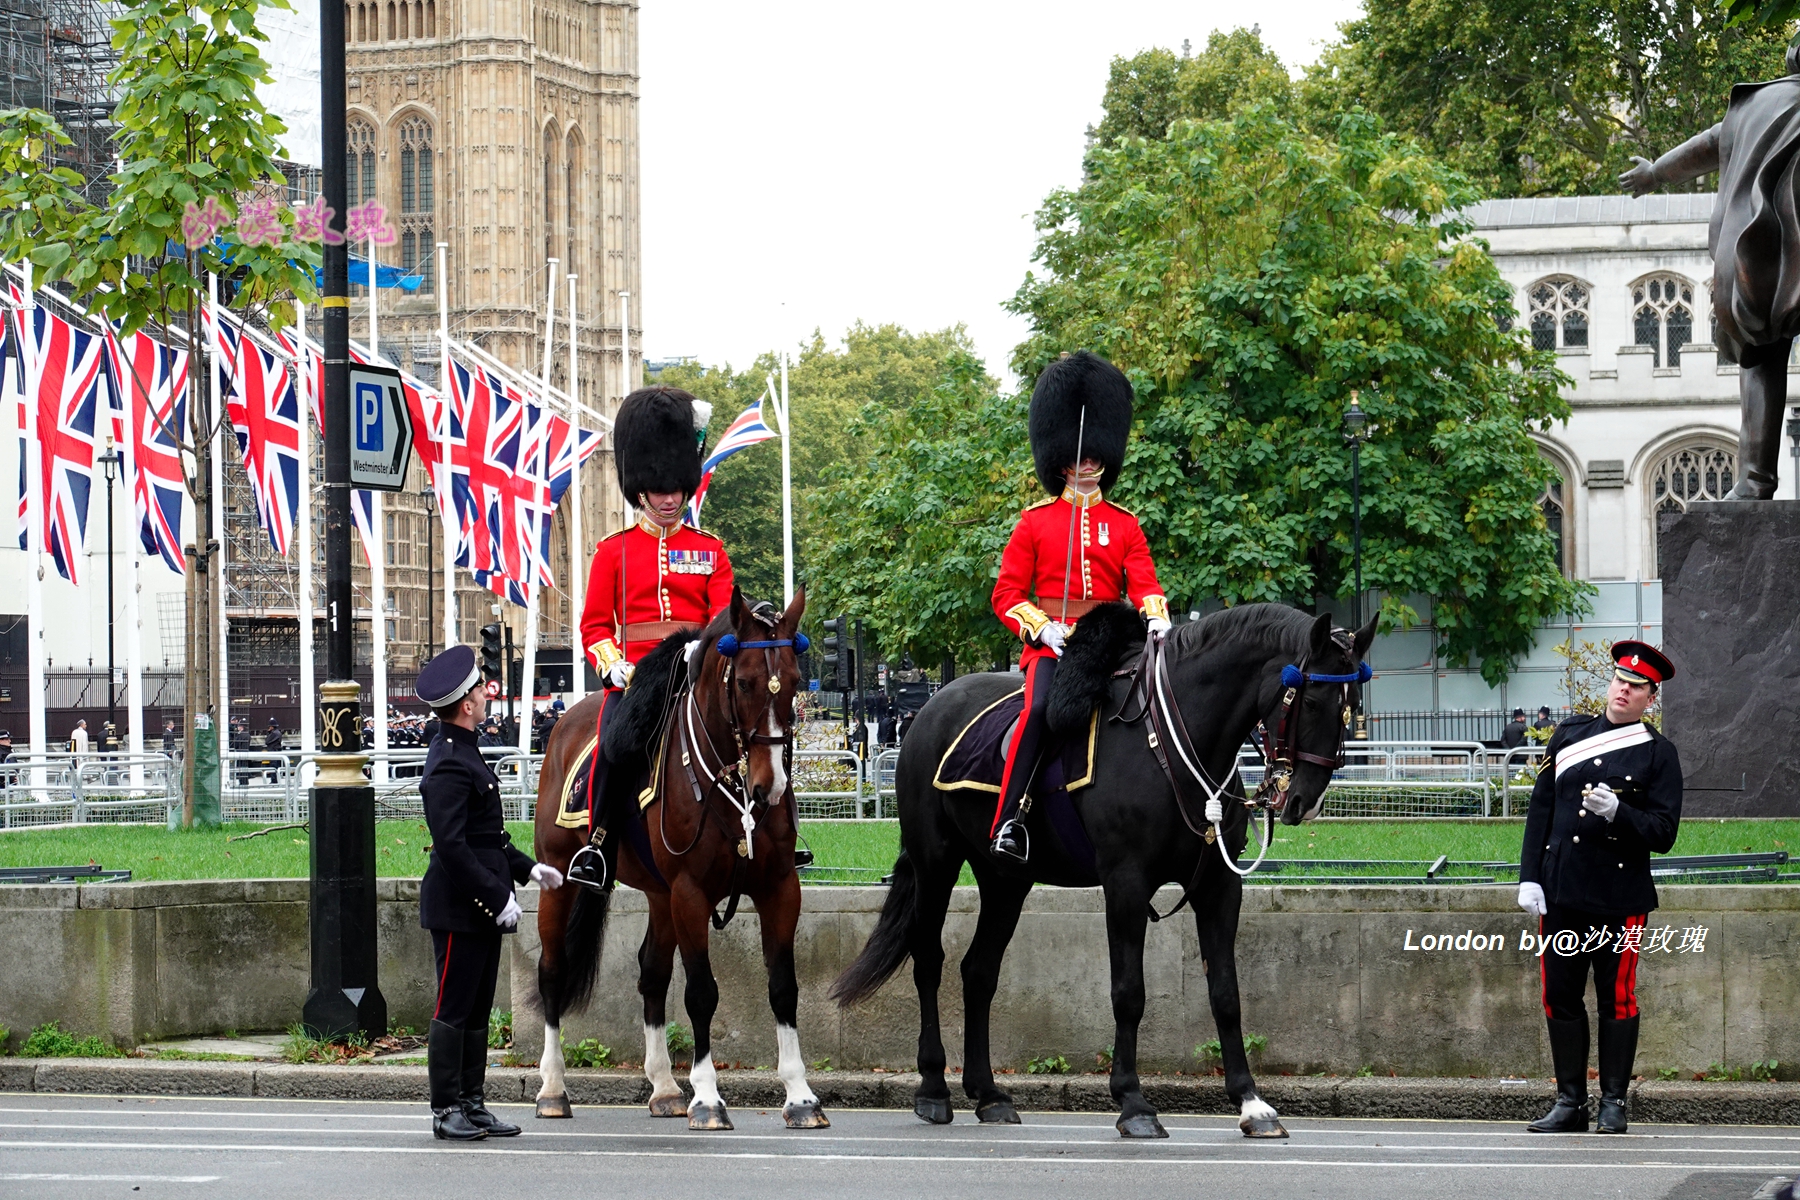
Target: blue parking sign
<point>369,408</point>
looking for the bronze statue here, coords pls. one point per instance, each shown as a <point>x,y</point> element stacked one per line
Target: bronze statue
<point>1755,243</point>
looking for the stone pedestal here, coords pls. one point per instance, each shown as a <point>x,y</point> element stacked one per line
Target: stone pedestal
<point>1731,622</point>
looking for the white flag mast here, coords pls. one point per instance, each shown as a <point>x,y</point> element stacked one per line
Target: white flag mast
<point>377,561</point>
<point>528,673</point>
<point>577,544</point>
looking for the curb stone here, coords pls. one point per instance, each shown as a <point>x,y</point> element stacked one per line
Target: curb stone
<point>1295,1096</point>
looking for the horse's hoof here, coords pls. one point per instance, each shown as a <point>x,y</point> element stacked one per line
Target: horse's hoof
<point>708,1116</point>
<point>997,1112</point>
<point>669,1106</point>
<point>1142,1125</point>
<point>1262,1127</point>
<point>806,1116</point>
<point>932,1109</point>
<point>554,1106</point>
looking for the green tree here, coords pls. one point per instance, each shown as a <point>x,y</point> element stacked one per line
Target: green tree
<point>875,367</point>
<point>1151,90</point>
<point>190,132</point>
<point>1249,276</point>
<point>1534,99</point>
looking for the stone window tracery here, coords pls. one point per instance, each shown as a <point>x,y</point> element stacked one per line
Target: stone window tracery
<point>1703,471</point>
<point>418,200</point>
<point>359,171</point>
<point>1662,316</point>
<point>1555,507</point>
<point>1559,313</point>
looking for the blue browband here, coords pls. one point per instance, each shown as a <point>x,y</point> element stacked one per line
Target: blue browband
<point>729,645</point>
<point>1292,676</point>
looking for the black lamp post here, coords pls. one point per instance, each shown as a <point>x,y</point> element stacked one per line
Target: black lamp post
<point>1356,432</point>
<point>110,462</point>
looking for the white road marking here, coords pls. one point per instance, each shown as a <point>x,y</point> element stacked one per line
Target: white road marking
<point>22,1177</point>
<point>695,1149</point>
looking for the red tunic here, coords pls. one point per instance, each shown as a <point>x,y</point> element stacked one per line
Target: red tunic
<point>1112,562</point>
<point>670,577</point>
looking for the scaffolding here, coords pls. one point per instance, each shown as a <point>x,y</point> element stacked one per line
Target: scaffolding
<point>56,55</point>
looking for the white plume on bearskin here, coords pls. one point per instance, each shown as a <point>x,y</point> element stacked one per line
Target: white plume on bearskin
<point>1063,388</point>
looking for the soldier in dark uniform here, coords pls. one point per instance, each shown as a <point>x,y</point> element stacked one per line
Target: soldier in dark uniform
<point>1607,797</point>
<point>467,897</point>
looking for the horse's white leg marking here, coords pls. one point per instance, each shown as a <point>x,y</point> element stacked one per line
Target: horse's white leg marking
<point>705,1082</point>
<point>550,1064</point>
<point>1256,1110</point>
<point>776,766</point>
<point>793,1067</point>
<point>656,1062</point>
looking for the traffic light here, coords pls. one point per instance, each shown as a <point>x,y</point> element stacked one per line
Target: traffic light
<point>835,665</point>
<point>490,652</point>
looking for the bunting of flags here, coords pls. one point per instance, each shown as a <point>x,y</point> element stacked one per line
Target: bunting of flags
<point>510,461</point>
<point>746,430</point>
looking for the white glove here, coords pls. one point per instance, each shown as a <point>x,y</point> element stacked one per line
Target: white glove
<point>546,876</point>
<point>1158,625</point>
<point>1602,801</point>
<point>687,655</point>
<point>1531,898</point>
<point>1215,808</point>
<point>1052,635</point>
<point>509,916</point>
<point>619,675</point>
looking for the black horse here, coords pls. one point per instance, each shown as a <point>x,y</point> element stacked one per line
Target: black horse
<point>1221,676</point>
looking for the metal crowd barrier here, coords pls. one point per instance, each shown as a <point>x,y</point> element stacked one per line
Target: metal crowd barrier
<point>61,788</point>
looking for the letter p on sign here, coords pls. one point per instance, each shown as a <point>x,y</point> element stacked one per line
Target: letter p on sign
<point>368,408</point>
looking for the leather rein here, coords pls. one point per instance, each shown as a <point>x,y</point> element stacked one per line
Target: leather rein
<point>709,770</point>
<point>1155,702</point>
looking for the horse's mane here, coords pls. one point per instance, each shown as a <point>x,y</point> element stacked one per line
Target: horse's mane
<point>1245,625</point>
<point>765,614</point>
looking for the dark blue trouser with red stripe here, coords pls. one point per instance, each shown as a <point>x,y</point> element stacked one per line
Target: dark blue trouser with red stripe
<point>1028,745</point>
<point>468,967</point>
<point>1589,942</point>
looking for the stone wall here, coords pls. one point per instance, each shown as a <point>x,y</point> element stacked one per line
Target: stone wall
<point>1327,976</point>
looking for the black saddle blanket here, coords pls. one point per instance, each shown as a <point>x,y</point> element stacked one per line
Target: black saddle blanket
<point>977,758</point>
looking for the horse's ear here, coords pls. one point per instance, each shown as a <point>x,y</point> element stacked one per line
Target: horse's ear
<point>739,611</point>
<point>1365,637</point>
<point>1321,636</point>
<point>796,607</point>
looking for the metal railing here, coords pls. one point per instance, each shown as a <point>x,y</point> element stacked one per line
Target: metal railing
<point>55,789</point>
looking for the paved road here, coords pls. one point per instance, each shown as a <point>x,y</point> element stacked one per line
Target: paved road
<point>103,1146</point>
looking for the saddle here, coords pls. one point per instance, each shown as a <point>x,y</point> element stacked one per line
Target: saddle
<point>631,732</point>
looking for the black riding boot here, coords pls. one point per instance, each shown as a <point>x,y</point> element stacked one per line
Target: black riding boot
<point>474,1082</point>
<point>1568,1051</point>
<point>1010,838</point>
<point>444,1059</point>
<point>1618,1050</point>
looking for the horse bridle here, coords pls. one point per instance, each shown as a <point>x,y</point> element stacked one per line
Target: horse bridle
<point>1279,751</point>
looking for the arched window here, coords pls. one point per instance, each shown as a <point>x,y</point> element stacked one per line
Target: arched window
<point>392,26</point>
<point>1554,505</point>
<point>1662,316</point>
<point>359,169</point>
<point>550,141</point>
<point>431,18</point>
<point>418,200</point>
<point>1559,313</point>
<point>1698,471</point>
<point>571,198</point>
<point>362,23</point>
<point>418,18</point>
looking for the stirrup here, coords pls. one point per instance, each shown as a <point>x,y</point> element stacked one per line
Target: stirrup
<point>587,868</point>
<point>1012,841</point>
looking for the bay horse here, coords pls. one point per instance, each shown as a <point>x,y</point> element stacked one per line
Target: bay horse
<point>1219,677</point>
<point>718,822</point>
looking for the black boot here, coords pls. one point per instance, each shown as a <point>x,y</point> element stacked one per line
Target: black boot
<point>1012,841</point>
<point>1568,1051</point>
<point>1618,1050</point>
<point>474,1083</point>
<point>444,1066</point>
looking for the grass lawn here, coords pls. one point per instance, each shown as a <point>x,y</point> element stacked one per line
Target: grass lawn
<point>864,850</point>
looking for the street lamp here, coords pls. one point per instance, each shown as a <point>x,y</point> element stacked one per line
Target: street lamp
<point>110,461</point>
<point>1356,432</point>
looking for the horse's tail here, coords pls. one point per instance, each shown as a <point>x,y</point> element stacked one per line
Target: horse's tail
<point>891,943</point>
<point>581,947</point>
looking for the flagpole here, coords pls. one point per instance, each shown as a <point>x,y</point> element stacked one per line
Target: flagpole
<point>218,507</point>
<point>134,634</point>
<point>577,544</point>
<point>787,493</point>
<point>34,532</point>
<point>309,729</point>
<point>377,563</point>
<point>528,674</point>
<point>446,488</point>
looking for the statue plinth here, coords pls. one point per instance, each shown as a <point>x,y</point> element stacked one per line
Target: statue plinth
<point>1731,622</point>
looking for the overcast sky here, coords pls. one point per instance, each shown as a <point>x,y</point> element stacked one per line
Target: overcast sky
<point>807,164</point>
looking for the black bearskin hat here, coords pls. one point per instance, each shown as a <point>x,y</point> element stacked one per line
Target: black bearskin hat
<point>1056,421</point>
<point>656,442</point>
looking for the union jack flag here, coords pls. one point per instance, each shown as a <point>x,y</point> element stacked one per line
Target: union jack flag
<point>70,365</point>
<point>152,379</point>
<point>746,430</point>
<point>487,420</point>
<point>264,407</point>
